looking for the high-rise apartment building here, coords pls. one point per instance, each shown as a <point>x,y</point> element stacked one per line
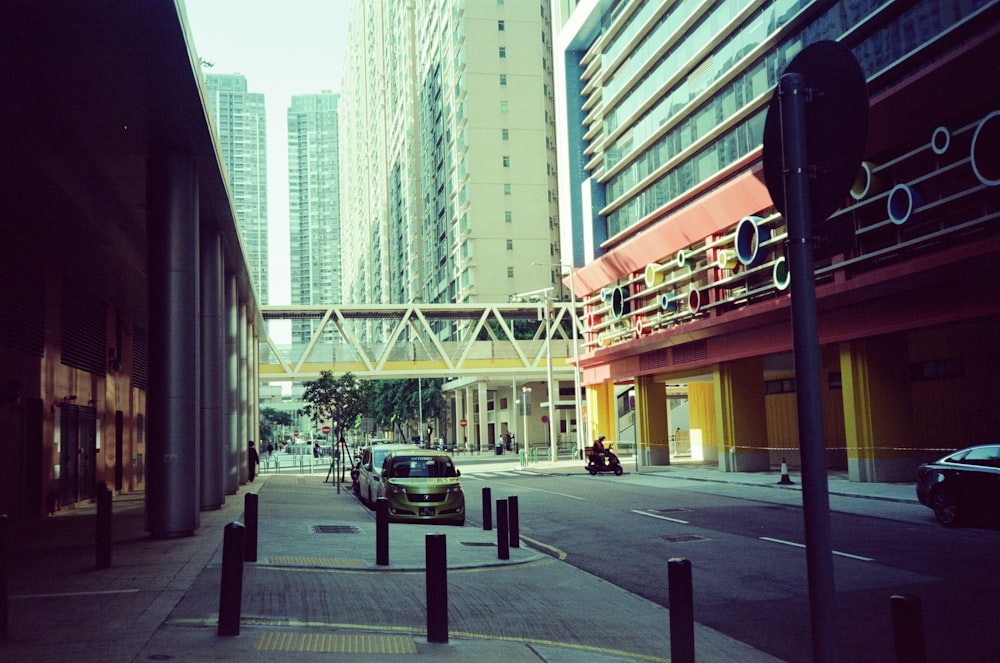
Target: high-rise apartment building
<point>313,205</point>
<point>238,117</point>
<point>448,123</point>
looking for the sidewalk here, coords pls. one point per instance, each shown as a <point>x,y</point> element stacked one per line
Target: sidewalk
<point>316,589</point>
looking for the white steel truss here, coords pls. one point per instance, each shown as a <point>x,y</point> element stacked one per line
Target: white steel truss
<point>423,340</point>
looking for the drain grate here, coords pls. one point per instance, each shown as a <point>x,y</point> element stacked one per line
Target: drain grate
<point>681,538</point>
<point>674,510</point>
<point>335,529</point>
<point>480,544</point>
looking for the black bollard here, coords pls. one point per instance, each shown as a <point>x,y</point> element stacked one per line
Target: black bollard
<point>250,511</point>
<point>382,531</point>
<point>231,587</point>
<point>3,575</point>
<point>681,610</point>
<point>103,527</point>
<point>513,526</point>
<point>908,628</point>
<point>436,562</point>
<point>503,542</point>
<point>487,510</point>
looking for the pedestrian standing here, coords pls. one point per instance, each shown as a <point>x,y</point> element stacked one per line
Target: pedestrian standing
<point>252,459</point>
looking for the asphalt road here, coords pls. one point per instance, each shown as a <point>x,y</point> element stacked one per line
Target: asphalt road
<point>749,566</point>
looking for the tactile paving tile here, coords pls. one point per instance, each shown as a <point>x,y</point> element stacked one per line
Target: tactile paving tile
<point>346,643</point>
<point>333,562</point>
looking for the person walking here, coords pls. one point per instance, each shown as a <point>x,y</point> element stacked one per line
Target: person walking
<point>252,459</point>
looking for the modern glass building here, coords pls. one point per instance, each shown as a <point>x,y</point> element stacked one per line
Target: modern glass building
<point>314,205</point>
<point>680,251</point>
<point>239,120</point>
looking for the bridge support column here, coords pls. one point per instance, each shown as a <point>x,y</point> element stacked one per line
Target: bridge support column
<point>482,412</point>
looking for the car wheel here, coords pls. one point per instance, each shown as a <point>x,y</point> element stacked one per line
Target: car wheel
<point>946,507</point>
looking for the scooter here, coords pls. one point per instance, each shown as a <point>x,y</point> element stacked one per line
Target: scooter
<point>610,462</point>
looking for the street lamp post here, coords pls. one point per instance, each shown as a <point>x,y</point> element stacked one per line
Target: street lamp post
<point>525,393</point>
<point>548,369</point>
<point>574,319</point>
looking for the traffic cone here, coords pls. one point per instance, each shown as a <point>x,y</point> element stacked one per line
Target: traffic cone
<point>785,480</point>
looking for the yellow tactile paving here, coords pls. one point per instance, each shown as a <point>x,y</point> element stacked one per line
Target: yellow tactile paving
<point>334,562</point>
<point>335,643</point>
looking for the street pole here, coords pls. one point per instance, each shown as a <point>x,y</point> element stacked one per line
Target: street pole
<point>576,367</point>
<point>805,342</point>
<point>548,367</point>
<point>525,391</point>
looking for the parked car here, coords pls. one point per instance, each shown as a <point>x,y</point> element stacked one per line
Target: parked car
<point>422,485</point>
<point>370,469</point>
<point>961,483</point>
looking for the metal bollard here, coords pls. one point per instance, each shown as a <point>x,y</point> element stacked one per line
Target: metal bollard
<point>103,533</point>
<point>681,610</point>
<point>513,526</point>
<point>908,629</point>
<point>250,512</point>
<point>487,510</point>
<point>503,541</point>
<point>382,532</point>
<point>3,575</point>
<point>436,562</point>
<point>231,587</point>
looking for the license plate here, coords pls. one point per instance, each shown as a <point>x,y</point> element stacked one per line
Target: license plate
<point>426,511</point>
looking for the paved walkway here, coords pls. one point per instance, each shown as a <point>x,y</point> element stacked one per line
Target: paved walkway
<point>316,589</point>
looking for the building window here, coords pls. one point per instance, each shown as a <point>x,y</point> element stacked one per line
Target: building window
<point>503,106</point>
<point>506,162</point>
<point>510,272</point>
<point>503,79</point>
<point>506,189</point>
<point>505,134</point>
<point>503,52</point>
<point>508,216</point>
<point>500,26</point>
<point>510,245</point>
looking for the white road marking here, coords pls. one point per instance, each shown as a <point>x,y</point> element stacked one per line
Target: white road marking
<point>802,545</point>
<point>654,515</point>
<point>64,594</point>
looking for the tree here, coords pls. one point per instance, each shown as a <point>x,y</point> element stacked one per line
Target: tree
<point>338,401</point>
<point>398,404</point>
<point>271,419</point>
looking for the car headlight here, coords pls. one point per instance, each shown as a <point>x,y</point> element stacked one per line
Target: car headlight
<point>939,477</point>
<point>398,490</point>
<point>454,489</point>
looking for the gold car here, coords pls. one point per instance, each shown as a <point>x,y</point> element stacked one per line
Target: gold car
<point>421,485</point>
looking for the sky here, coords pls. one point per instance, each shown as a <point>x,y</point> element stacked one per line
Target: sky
<point>283,48</point>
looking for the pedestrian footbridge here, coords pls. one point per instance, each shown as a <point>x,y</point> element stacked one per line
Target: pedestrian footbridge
<point>390,341</point>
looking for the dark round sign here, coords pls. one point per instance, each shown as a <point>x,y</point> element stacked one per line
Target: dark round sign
<point>836,127</point>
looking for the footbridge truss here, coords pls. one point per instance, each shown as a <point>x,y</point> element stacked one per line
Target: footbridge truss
<point>388,341</point>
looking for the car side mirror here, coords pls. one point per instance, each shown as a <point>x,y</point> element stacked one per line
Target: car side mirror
<point>458,472</point>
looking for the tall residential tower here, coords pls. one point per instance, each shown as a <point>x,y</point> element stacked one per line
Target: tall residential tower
<point>238,117</point>
<point>313,204</point>
<point>448,116</point>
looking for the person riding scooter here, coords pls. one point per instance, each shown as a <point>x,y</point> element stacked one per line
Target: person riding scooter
<point>602,459</point>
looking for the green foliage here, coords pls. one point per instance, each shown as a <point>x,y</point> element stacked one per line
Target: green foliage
<point>340,402</point>
<point>270,420</point>
<point>396,405</point>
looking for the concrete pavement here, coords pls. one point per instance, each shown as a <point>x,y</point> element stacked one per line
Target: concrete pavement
<point>317,591</point>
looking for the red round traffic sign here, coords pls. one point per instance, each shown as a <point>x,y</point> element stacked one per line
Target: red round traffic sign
<point>463,422</point>
<point>296,433</point>
<point>326,430</point>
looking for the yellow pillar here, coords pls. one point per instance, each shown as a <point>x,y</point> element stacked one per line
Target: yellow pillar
<point>741,416</point>
<point>652,436</point>
<point>600,411</point>
<point>875,381</point>
<point>701,415</point>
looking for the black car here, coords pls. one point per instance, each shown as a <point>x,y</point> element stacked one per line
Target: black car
<point>961,483</point>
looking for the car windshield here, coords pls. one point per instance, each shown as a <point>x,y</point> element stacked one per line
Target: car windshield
<point>423,467</point>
